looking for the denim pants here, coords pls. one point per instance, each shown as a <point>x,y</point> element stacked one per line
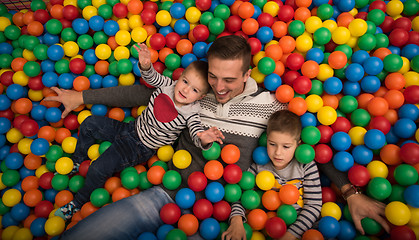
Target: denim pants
<point>126,150</point>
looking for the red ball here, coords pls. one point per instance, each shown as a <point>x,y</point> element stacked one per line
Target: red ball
<point>255,45</point>
<point>413,38</point>
<point>77,66</point>
<point>151,6</point>
<point>176,73</point>
<point>286,13</point>
<point>17,122</point>
<point>302,84</point>
<point>359,175</point>
<point>170,213</point>
<point>159,66</point>
<point>120,10</point>
<point>341,124</point>
<point>330,46</point>
<point>387,25</point>
<point>232,173</point>
<point>275,227</point>
<point>403,23</point>
<point>35,83</point>
<point>45,180</point>
<point>41,15</point>
<point>29,128</point>
<point>66,23</point>
<point>289,77</point>
<point>398,37</point>
<point>323,153</point>
<point>411,94</point>
<point>381,123</point>
<point>70,12</point>
<point>84,167</point>
<point>43,209</point>
<point>265,20</point>
<point>8,113</point>
<point>202,209</point>
<point>172,39</point>
<point>402,232</point>
<point>148,16</point>
<point>328,195</point>
<point>409,153</point>
<point>378,5</point>
<point>390,175</point>
<point>203,5</point>
<point>6,78</point>
<point>201,33</point>
<point>326,133</point>
<point>241,34</point>
<point>221,211</point>
<point>362,15</point>
<point>233,23</point>
<point>197,181</point>
<point>295,61</point>
<point>157,41</point>
<point>54,2</point>
<point>71,122</point>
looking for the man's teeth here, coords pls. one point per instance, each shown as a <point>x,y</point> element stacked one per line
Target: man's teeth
<point>221,93</point>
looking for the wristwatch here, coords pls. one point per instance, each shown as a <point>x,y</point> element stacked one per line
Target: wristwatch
<point>351,191</point>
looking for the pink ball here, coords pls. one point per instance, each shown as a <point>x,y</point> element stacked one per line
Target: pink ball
<point>275,227</point>
<point>232,173</point>
<point>170,213</point>
<point>409,153</point>
<point>359,175</point>
<point>157,41</point>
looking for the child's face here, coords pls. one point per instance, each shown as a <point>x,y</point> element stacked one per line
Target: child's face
<point>189,88</point>
<point>281,147</point>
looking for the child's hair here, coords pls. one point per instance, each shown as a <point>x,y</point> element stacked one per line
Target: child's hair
<point>201,67</point>
<point>231,47</point>
<point>285,121</point>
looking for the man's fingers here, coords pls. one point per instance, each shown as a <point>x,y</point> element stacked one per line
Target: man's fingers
<point>65,113</point>
<point>382,222</point>
<point>52,98</point>
<point>359,226</point>
<point>56,90</point>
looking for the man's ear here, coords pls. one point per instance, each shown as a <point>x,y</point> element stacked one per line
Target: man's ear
<point>247,75</point>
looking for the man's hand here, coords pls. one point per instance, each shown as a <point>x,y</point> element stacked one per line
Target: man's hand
<point>144,57</point>
<point>235,231</point>
<point>361,206</point>
<point>288,236</point>
<point>69,98</point>
<point>211,135</point>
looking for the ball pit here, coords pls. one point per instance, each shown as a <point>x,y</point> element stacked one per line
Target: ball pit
<point>348,68</point>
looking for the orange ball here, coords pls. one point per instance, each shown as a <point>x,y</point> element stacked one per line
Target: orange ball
<point>32,161</point>
<point>284,93</point>
<point>230,154</point>
<point>363,100</point>
<point>310,69</point>
<point>302,13</point>
<point>112,42</point>
<point>394,98</point>
<point>154,55</point>
<point>134,191</point>
<point>298,106</point>
<point>270,200</point>
<point>279,29</point>
<point>287,44</point>
<point>390,154</point>
<point>17,64</point>
<point>312,234</point>
<point>381,92</point>
<point>23,105</point>
<point>246,10</point>
<point>250,26</point>
<point>18,19</point>
<point>188,223</point>
<point>274,51</point>
<point>61,134</point>
<point>28,17</point>
<point>289,194</point>
<point>102,67</point>
<point>140,168</point>
<point>120,193</point>
<point>344,19</point>
<point>164,52</point>
<point>32,197</point>
<point>184,46</point>
<point>395,81</point>
<point>81,83</point>
<point>57,11</point>
<point>155,174</point>
<point>303,3</point>
<point>150,29</point>
<point>117,114</point>
<point>152,160</point>
<point>337,60</point>
<point>257,219</point>
<point>234,8</point>
<point>29,183</point>
<point>63,197</point>
<point>112,184</point>
<point>87,209</point>
<point>135,7</point>
<point>279,68</point>
<point>28,221</point>
<point>330,100</point>
<point>213,170</point>
<point>35,28</point>
<point>377,106</point>
<point>47,132</point>
<point>381,53</point>
<point>392,116</point>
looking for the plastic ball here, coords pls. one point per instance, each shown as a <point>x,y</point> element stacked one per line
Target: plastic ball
<point>182,159</point>
<point>410,195</point>
<point>213,170</point>
<point>171,180</point>
<point>397,213</point>
<point>54,226</point>
<point>99,197</point>
<point>202,209</point>
<point>275,227</point>
<point>214,192</point>
<point>185,198</point>
<point>326,115</point>
<point>379,188</point>
<point>165,153</point>
<point>11,197</point>
<point>209,228</point>
<point>405,175</point>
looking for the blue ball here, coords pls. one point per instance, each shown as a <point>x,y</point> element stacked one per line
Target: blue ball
<point>346,5</point>
<point>3,140</point>
<point>38,227</point>
<point>409,111</point>
<point>200,49</point>
<point>329,227</point>
<point>24,172</point>
<point>332,85</point>
<point>5,125</point>
<point>182,27</point>
<point>47,66</point>
<point>354,72</point>
<point>360,56</point>
<point>373,65</point>
<point>214,4</point>
<point>6,48</point>
<point>341,141</point>
<point>336,12</point>
<point>405,128</point>
<point>53,115</point>
<point>96,23</point>
<point>163,231</point>
<point>50,194</point>
<point>14,91</point>
<point>362,154</point>
<point>188,59</point>
<point>55,52</point>
<point>394,49</point>
<point>227,2</point>
<point>39,146</point>
<point>411,195</point>
<point>110,27</point>
<point>4,151</point>
<point>90,57</point>
<point>308,119</point>
<point>374,139</point>
<point>391,136</point>
<point>99,109</point>
<point>410,50</point>
<point>50,39</point>
<point>14,161</point>
<point>351,88</point>
<point>38,112</point>
<point>4,102</point>
<point>264,34</point>
<point>347,230</point>
<point>209,228</point>
<point>8,220</point>
<point>272,81</point>
<point>185,198</point>
<point>315,54</point>
<point>319,2</point>
<point>177,10</point>
<point>370,84</point>
<point>65,80</point>
<point>50,79</point>
<point>257,12</point>
<point>214,192</point>
<point>20,211</point>
<point>165,30</point>
<point>260,155</point>
<point>147,236</point>
<point>109,81</point>
<point>80,26</point>
<point>343,161</point>
<point>95,81</point>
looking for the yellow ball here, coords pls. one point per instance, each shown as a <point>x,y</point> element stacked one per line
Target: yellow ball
<point>163,18</point>
<point>257,57</point>
<point>397,213</point>
<point>341,35</point>
<point>123,37</point>
<point>70,2</point>
<point>4,22</point>
<point>69,144</point>
<point>135,21</point>
<point>8,232</point>
<point>139,34</point>
<point>93,152</point>
<point>2,186</point>
<point>357,135</point>
<point>325,72</point>
<point>352,42</point>
<point>271,8</point>
<point>165,153</point>
<point>88,12</point>
<point>71,48</point>
<point>256,235</point>
<point>358,27</point>
<point>28,55</point>
<point>20,78</point>
<point>182,159</point>
<point>126,79</point>
<point>140,110</point>
<point>417,135</point>
<point>121,52</point>
<point>123,24</point>
<point>330,24</point>
<point>64,165</point>
<point>54,226</point>
<point>331,209</point>
<point>98,3</point>
<point>415,24</point>
<point>265,180</point>
<point>353,12</point>
<point>14,135</point>
<point>41,170</point>
<point>11,197</point>
<point>412,78</point>
<point>327,115</point>
<point>257,75</point>
<point>314,103</point>
<point>406,66</point>
<point>303,43</point>
<point>313,23</point>
<point>23,234</point>
<point>83,115</point>
<point>24,145</point>
<point>103,51</point>
<point>414,219</point>
<point>377,168</point>
<point>35,95</point>
<point>193,15</point>
<point>394,8</point>
<point>125,2</point>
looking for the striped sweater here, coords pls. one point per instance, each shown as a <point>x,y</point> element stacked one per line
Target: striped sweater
<point>307,180</point>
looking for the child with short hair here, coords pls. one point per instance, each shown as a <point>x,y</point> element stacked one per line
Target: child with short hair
<point>283,137</point>
<point>172,107</point>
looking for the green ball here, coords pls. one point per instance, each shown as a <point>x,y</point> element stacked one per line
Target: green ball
<point>37,4</point>
<point>233,192</point>
<point>348,104</point>
<point>172,179</point>
<point>3,166</point>
<point>321,47</point>
<point>379,188</point>
<point>223,227</point>
<point>176,234</point>
<point>259,3</point>
<point>316,87</point>
<point>361,3</point>
<point>144,183</point>
<point>406,175</point>
<point>112,2</point>
<point>360,117</point>
<point>166,5</point>
<point>216,25</point>
<point>367,42</point>
<point>411,7</point>
<point>322,35</point>
<point>62,66</point>
<point>10,177</point>
<point>263,140</point>
<point>124,66</point>
<point>304,153</point>
<point>346,49</point>
<point>414,63</point>
<point>2,37</point>
<point>99,197</point>
<point>161,164</point>
<point>206,17</point>
<point>393,63</point>
<point>347,213</point>
<point>113,69</point>
<point>3,10</point>
<point>126,170</point>
<point>54,26</point>
<point>133,52</point>
<point>31,42</point>
<point>40,52</point>
<point>89,71</point>
<point>248,229</point>
<point>5,60</point>
<point>188,3</point>
<point>60,182</point>
<point>397,193</point>
<point>85,41</point>
<point>296,28</point>
<point>376,16</point>
<point>247,181</point>
<point>12,32</point>
<point>325,11</point>
<point>371,27</point>
<point>310,135</point>
<point>382,40</point>
<point>105,11</point>
<point>213,153</point>
<point>211,38</point>
<point>54,153</point>
<point>287,213</point>
<point>340,73</point>
<point>83,3</point>
<point>168,73</point>
<point>76,183</point>
<point>17,53</point>
<point>250,199</point>
<point>128,119</point>
<point>266,65</point>
<point>50,166</point>
<point>103,146</point>
<point>68,34</point>
<point>32,69</point>
<point>172,61</point>
<point>222,11</point>
<point>326,57</point>
<point>3,208</point>
<point>100,38</point>
<point>130,180</point>
<point>370,226</point>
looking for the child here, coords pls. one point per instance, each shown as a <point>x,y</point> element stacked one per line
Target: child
<point>283,137</point>
<point>172,107</point>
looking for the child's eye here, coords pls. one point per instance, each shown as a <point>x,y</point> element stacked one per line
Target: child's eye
<point>184,81</point>
<point>195,90</point>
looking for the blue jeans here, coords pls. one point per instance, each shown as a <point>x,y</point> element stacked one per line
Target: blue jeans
<point>126,150</point>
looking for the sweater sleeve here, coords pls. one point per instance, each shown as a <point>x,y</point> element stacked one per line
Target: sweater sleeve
<point>312,201</point>
<point>121,96</point>
<point>337,177</point>
<point>195,126</point>
<point>155,79</point>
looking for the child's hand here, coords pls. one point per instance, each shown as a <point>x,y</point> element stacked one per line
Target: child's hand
<point>144,58</point>
<point>235,231</point>
<point>211,135</point>
<point>288,236</point>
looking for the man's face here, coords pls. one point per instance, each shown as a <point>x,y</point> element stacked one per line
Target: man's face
<point>226,78</point>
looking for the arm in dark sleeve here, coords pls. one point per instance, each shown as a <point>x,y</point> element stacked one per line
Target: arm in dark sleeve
<point>337,177</point>
<point>121,96</point>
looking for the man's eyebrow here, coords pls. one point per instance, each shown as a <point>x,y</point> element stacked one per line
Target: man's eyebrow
<point>225,78</point>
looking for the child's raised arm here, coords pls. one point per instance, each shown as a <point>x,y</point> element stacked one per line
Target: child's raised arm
<point>144,57</point>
